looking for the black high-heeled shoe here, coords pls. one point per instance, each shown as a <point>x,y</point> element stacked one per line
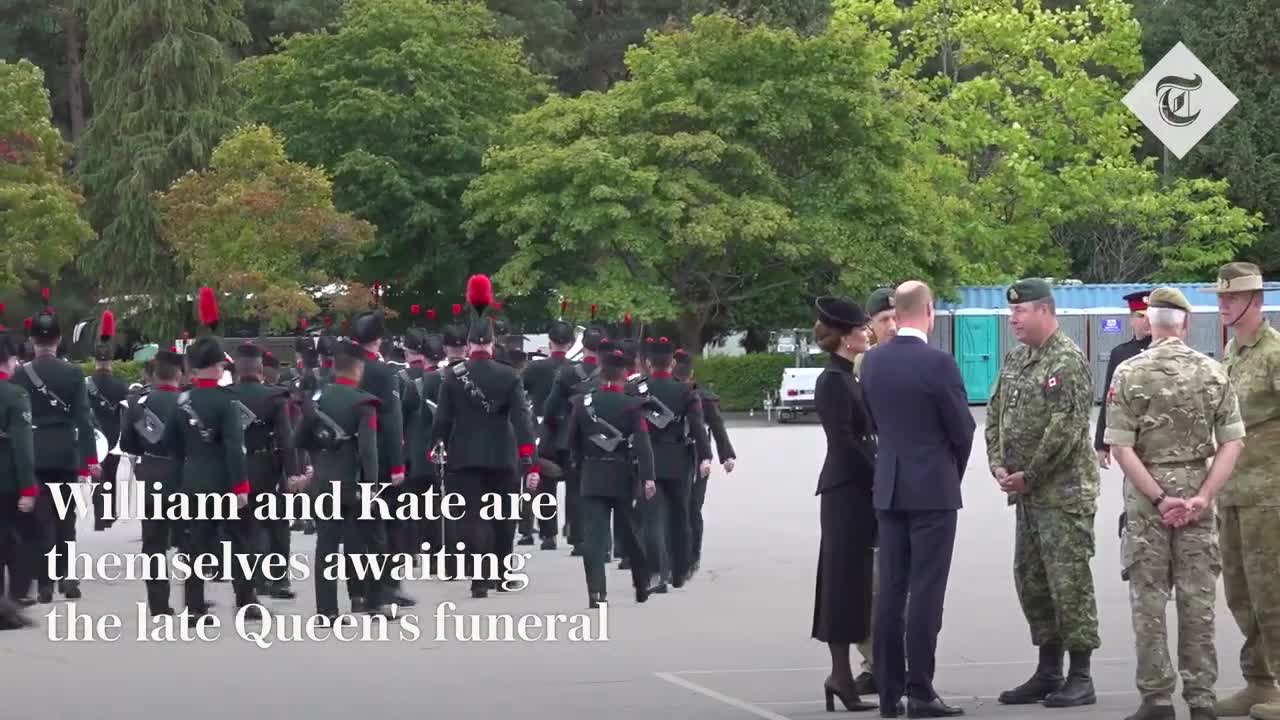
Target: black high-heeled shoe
<point>855,705</point>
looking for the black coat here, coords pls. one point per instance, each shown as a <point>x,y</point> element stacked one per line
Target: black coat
<point>477,437</point>
<point>851,447</point>
<point>1119,354</point>
<point>61,415</point>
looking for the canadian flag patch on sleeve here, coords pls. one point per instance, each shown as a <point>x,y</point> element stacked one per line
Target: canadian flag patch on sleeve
<point>1051,383</point>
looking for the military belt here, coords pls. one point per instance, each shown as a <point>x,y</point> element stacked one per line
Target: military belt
<point>1180,463</point>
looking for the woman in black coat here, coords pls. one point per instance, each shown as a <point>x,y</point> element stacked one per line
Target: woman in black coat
<point>842,603</point>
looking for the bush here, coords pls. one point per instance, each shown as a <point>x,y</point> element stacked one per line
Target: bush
<point>129,372</point>
<point>742,382</point>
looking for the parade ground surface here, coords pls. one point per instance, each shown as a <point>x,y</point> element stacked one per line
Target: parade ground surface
<point>732,645</point>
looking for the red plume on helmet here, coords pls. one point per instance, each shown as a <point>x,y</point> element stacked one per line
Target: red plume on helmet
<point>431,314</point>
<point>302,323</point>
<point>564,307</point>
<point>44,295</point>
<point>479,292</point>
<point>457,309</point>
<point>415,310</point>
<point>26,324</point>
<point>328,321</point>
<point>593,311</point>
<point>207,308</point>
<point>107,328</point>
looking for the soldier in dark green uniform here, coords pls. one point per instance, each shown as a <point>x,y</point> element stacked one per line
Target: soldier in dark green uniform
<point>573,379</point>
<point>380,380</point>
<point>270,460</point>
<point>442,533</point>
<point>607,437</point>
<point>307,382</point>
<point>66,448</point>
<point>142,432</point>
<point>106,393</point>
<point>724,450</point>
<point>680,448</point>
<point>455,338</point>
<point>207,446</point>
<point>339,428</point>
<point>539,376</point>
<point>482,418</point>
<point>325,345</point>
<point>270,369</point>
<point>18,487</point>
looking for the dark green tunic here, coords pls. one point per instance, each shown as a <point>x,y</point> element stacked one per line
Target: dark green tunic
<point>64,438</point>
<point>380,380</point>
<point>212,461</point>
<point>17,444</point>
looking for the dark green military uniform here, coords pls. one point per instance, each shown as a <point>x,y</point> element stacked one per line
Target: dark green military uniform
<point>609,442</point>
<point>17,479</point>
<point>344,452</point>
<point>142,434</point>
<point>106,397</point>
<point>539,378</point>
<point>269,460</point>
<point>65,447</point>
<point>724,450</point>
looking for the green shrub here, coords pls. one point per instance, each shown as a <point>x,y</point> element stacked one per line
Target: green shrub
<point>742,381</point>
<point>129,372</point>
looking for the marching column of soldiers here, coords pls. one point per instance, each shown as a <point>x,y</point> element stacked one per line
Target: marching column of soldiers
<point>624,428</point>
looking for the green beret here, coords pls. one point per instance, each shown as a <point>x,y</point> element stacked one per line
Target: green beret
<point>1028,290</point>
<point>1167,297</point>
<point>881,299</point>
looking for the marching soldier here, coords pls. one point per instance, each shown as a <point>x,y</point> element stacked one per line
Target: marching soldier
<point>482,418</point>
<point>270,460</point>
<point>724,450</point>
<point>678,430</point>
<point>455,338</point>
<point>271,374</point>
<point>339,427</point>
<point>1169,407</point>
<point>325,345</point>
<point>66,447</point>
<point>444,532</point>
<point>539,378</point>
<point>380,380</point>
<point>418,466</point>
<point>142,433</point>
<point>307,382</point>
<point>18,487</point>
<point>1141,341</point>
<point>106,394</point>
<point>607,435</point>
<point>1249,505</point>
<point>207,446</point>
<point>1038,448</point>
<point>572,380</point>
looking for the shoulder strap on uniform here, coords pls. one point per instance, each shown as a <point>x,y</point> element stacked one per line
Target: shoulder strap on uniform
<point>463,374</point>
<point>184,402</point>
<point>38,384</point>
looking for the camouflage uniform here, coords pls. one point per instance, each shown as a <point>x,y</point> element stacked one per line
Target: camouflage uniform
<point>1170,403</point>
<point>1038,423</point>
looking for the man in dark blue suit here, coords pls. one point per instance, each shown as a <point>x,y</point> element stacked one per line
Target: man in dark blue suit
<point>919,409</point>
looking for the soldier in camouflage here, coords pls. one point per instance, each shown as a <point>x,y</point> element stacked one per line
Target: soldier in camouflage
<point>1166,408</point>
<point>1039,450</point>
<point>1249,506</point>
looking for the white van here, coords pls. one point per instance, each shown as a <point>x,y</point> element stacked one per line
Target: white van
<point>795,394</point>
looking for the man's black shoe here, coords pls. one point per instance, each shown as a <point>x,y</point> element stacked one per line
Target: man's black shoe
<point>896,711</point>
<point>865,684</point>
<point>549,544</point>
<point>525,540</point>
<point>934,708</point>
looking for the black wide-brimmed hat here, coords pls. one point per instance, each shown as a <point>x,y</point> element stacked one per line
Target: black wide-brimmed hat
<point>840,313</point>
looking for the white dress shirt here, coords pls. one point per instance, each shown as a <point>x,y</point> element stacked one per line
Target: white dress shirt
<point>912,332</point>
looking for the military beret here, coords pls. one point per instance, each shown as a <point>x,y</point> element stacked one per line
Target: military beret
<point>840,313</point>
<point>1028,290</point>
<point>1167,297</point>
<point>1237,277</point>
<point>881,299</point>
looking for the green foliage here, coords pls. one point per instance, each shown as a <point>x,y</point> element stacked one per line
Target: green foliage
<point>129,372</point>
<point>40,219</point>
<point>734,163</point>
<point>216,222</point>
<point>268,20</point>
<point>399,105</point>
<point>157,70</point>
<point>743,381</point>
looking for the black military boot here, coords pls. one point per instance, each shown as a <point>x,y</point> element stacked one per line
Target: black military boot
<point>1151,711</point>
<point>1047,679</point>
<point>1078,689</point>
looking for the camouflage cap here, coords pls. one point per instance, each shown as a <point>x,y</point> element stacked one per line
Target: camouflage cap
<point>1167,297</point>
<point>881,299</point>
<point>1028,290</point>
<point>1237,277</point>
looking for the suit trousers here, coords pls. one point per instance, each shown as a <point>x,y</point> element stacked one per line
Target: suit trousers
<point>915,562</point>
<point>486,537</point>
<point>110,470</point>
<point>206,536</point>
<point>596,512</point>
<point>53,533</point>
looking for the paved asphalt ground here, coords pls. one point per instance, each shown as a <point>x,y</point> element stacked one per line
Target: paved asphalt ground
<point>732,645</point>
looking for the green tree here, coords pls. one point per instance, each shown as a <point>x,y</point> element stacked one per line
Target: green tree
<point>399,104</point>
<point>270,19</point>
<point>1021,135</point>
<point>547,29</point>
<point>51,35</point>
<point>735,164</point>
<point>260,228</point>
<point>39,208</point>
<point>157,70</point>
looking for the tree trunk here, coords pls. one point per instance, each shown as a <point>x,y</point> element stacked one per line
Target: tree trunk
<point>690,326</point>
<point>71,29</point>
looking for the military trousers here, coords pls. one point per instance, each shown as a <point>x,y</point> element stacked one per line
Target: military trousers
<point>53,533</point>
<point>207,536</point>
<point>675,519</point>
<point>110,470</point>
<point>354,537</point>
<point>596,512</point>
<point>157,535</point>
<point>572,503</point>
<point>1250,538</point>
<point>697,497</point>
<point>1052,551</point>
<point>17,529</point>
<point>486,537</point>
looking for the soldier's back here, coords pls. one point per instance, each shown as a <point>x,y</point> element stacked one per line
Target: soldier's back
<point>52,411</point>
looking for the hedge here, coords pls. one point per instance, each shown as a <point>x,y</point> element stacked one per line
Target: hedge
<point>742,381</point>
<point>129,372</point>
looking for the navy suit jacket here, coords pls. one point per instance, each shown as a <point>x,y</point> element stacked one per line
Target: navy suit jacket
<point>920,411</point>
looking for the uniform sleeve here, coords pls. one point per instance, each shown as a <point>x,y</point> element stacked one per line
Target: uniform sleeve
<point>23,443</point>
<point>1099,442</point>
<point>233,449</point>
<point>367,443</point>
<point>711,408</point>
<point>1228,424</point>
<point>412,405</point>
<point>953,404</point>
<point>284,435</point>
<point>174,441</point>
<point>82,415</point>
<point>551,410</point>
<point>1070,394</point>
<point>837,407</point>
<point>522,423</point>
<point>391,425</point>
<point>1122,417</point>
<point>698,426</point>
<point>576,432</point>
<point>642,450</point>
<point>442,423</point>
<point>129,441</point>
<point>991,430</point>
